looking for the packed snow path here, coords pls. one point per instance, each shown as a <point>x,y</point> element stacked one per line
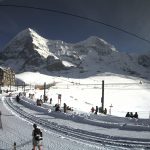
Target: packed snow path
<point>83,134</point>
<point>17,129</point>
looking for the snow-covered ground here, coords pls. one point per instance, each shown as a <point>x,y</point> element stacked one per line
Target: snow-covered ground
<point>124,93</point>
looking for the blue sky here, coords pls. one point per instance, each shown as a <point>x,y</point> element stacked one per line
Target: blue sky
<point>132,16</point>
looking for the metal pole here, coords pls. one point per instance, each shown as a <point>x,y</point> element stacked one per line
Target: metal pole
<point>102,99</point>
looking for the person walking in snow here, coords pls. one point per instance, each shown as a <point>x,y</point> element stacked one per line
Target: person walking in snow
<point>37,137</point>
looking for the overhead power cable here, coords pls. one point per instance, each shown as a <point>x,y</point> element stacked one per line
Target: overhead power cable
<point>77,16</point>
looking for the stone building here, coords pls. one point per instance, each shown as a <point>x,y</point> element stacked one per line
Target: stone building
<point>7,76</point>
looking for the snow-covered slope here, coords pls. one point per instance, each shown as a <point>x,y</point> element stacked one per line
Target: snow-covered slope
<point>28,51</point>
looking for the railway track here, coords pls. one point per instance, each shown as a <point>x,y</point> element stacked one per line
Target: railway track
<point>96,138</point>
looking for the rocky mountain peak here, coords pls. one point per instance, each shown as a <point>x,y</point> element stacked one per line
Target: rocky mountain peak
<point>96,41</point>
<point>27,41</point>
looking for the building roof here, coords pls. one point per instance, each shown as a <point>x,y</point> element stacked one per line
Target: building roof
<point>6,68</point>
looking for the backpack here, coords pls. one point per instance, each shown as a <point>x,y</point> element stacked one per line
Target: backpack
<point>38,134</point>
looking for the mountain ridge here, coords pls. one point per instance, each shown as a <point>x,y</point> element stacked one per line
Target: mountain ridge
<point>28,51</point>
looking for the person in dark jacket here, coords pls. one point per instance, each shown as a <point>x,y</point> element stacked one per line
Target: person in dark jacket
<point>131,114</point>
<point>37,137</point>
<point>65,108</point>
<point>92,109</point>
<point>96,110</point>
<point>17,98</point>
<point>135,115</point>
<point>57,107</point>
<point>128,114</point>
<point>50,101</point>
<point>105,111</point>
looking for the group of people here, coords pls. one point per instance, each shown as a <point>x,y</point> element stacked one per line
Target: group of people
<point>96,110</point>
<point>131,115</point>
<point>40,101</point>
<point>65,108</point>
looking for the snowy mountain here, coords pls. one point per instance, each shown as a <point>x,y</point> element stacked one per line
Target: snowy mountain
<point>28,51</point>
<point>78,129</point>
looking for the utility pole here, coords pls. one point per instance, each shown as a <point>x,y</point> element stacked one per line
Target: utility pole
<point>44,91</point>
<point>102,98</point>
<point>24,86</point>
<point>0,89</point>
<point>10,81</point>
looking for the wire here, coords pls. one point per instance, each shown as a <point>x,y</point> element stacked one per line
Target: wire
<point>77,16</point>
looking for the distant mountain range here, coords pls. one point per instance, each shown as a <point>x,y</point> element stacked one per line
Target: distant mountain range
<point>28,51</point>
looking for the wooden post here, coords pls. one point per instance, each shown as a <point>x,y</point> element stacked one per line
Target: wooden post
<point>102,98</point>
